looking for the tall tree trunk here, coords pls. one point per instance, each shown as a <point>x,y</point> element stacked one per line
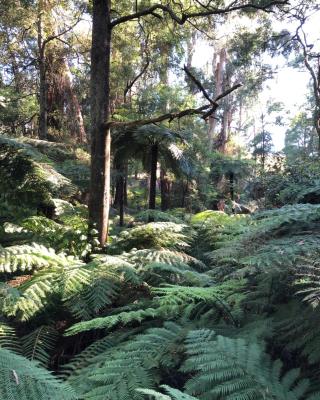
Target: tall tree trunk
<point>165,190</point>
<point>99,203</point>
<point>121,201</point>
<point>153,177</point>
<point>231,185</point>
<point>119,198</point>
<point>74,117</point>
<point>43,114</point>
<point>191,45</point>
<point>218,70</point>
<point>125,185</point>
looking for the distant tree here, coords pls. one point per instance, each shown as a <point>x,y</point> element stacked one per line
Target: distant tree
<point>104,22</point>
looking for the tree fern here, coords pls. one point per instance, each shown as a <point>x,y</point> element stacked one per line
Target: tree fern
<point>136,363</point>
<point>39,344</point>
<point>173,394</point>
<point>297,328</point>
<point>157,216</point>
<point>235,369</point>
<point>25,380</point>
<point>8,338</point>
<point>309,279</point>
<point>165,256</point>
<point>82,288</point>
<point>153,235</point>
<point>171,302</point>
<point>28,257</point>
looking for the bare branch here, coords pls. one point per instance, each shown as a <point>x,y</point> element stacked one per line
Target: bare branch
<point>176,115</point>
<point>169,116</point>
<point>195,80</point>
<point>130,84</point>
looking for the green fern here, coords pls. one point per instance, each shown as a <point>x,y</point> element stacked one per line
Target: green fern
<point>297,328</point>
<point>134,364</point>
<point>28,257</point>
<point>84,289</point>
<point>173,394</point>
<point>9,339</point>
<point>309,279</point>
<point>39,344</point>
<point>153,235</point>
<point>235,369</point>
<point>25,380</point>
<point>171,302</point>
<point>157,216</point>
<point>163,256</point>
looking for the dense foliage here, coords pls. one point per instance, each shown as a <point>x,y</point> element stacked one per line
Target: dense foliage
<point>205,284</point>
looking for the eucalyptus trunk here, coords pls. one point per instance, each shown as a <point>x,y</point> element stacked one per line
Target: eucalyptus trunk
<point>99,203</point>
<point>43,112</point>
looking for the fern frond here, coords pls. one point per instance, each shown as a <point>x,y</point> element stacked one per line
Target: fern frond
<point>28,257</point>
<point>25,380</point>
<point>233,368</point>
<point>174,394</point>
<point>136,363</point>
<point>39,344</point>
<point>9,339</point>
<point>163,256</point>
<point>157,216</point>
<point>110,321</point>
<point>309,279</point>
<point>153,235</point>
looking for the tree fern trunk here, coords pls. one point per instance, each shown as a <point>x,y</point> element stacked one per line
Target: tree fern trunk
<point>165,190</point>
<point>121,200</point>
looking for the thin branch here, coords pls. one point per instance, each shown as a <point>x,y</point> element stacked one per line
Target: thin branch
<point>57,36</point>
<point>130,84</point>
<point>195,80</point>
<point>310,69</point>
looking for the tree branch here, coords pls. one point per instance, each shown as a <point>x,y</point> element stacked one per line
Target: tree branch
<point>57,36</point>
<point>195,80</point>
<point>130,84</point>
<point>176,115</point>
<point>315,82</point>
<point>208,10</point>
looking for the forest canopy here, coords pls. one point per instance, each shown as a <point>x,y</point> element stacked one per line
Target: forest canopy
<point>159,200</point>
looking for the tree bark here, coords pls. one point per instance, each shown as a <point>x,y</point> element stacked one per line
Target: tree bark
<point>125,185</point>
<point>218,69</point>
<point>74,114</point>
<point>119,198</point>
<point>231,185</point>
<point>153,177</point>
<point>165,190</point>
<point>99,203</point>
<point>43,114</point>
<point>121,201</point>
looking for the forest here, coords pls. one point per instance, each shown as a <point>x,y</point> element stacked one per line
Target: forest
<point>159,200</point>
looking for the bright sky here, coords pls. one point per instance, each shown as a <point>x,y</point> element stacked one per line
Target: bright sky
<point>288,86</point>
